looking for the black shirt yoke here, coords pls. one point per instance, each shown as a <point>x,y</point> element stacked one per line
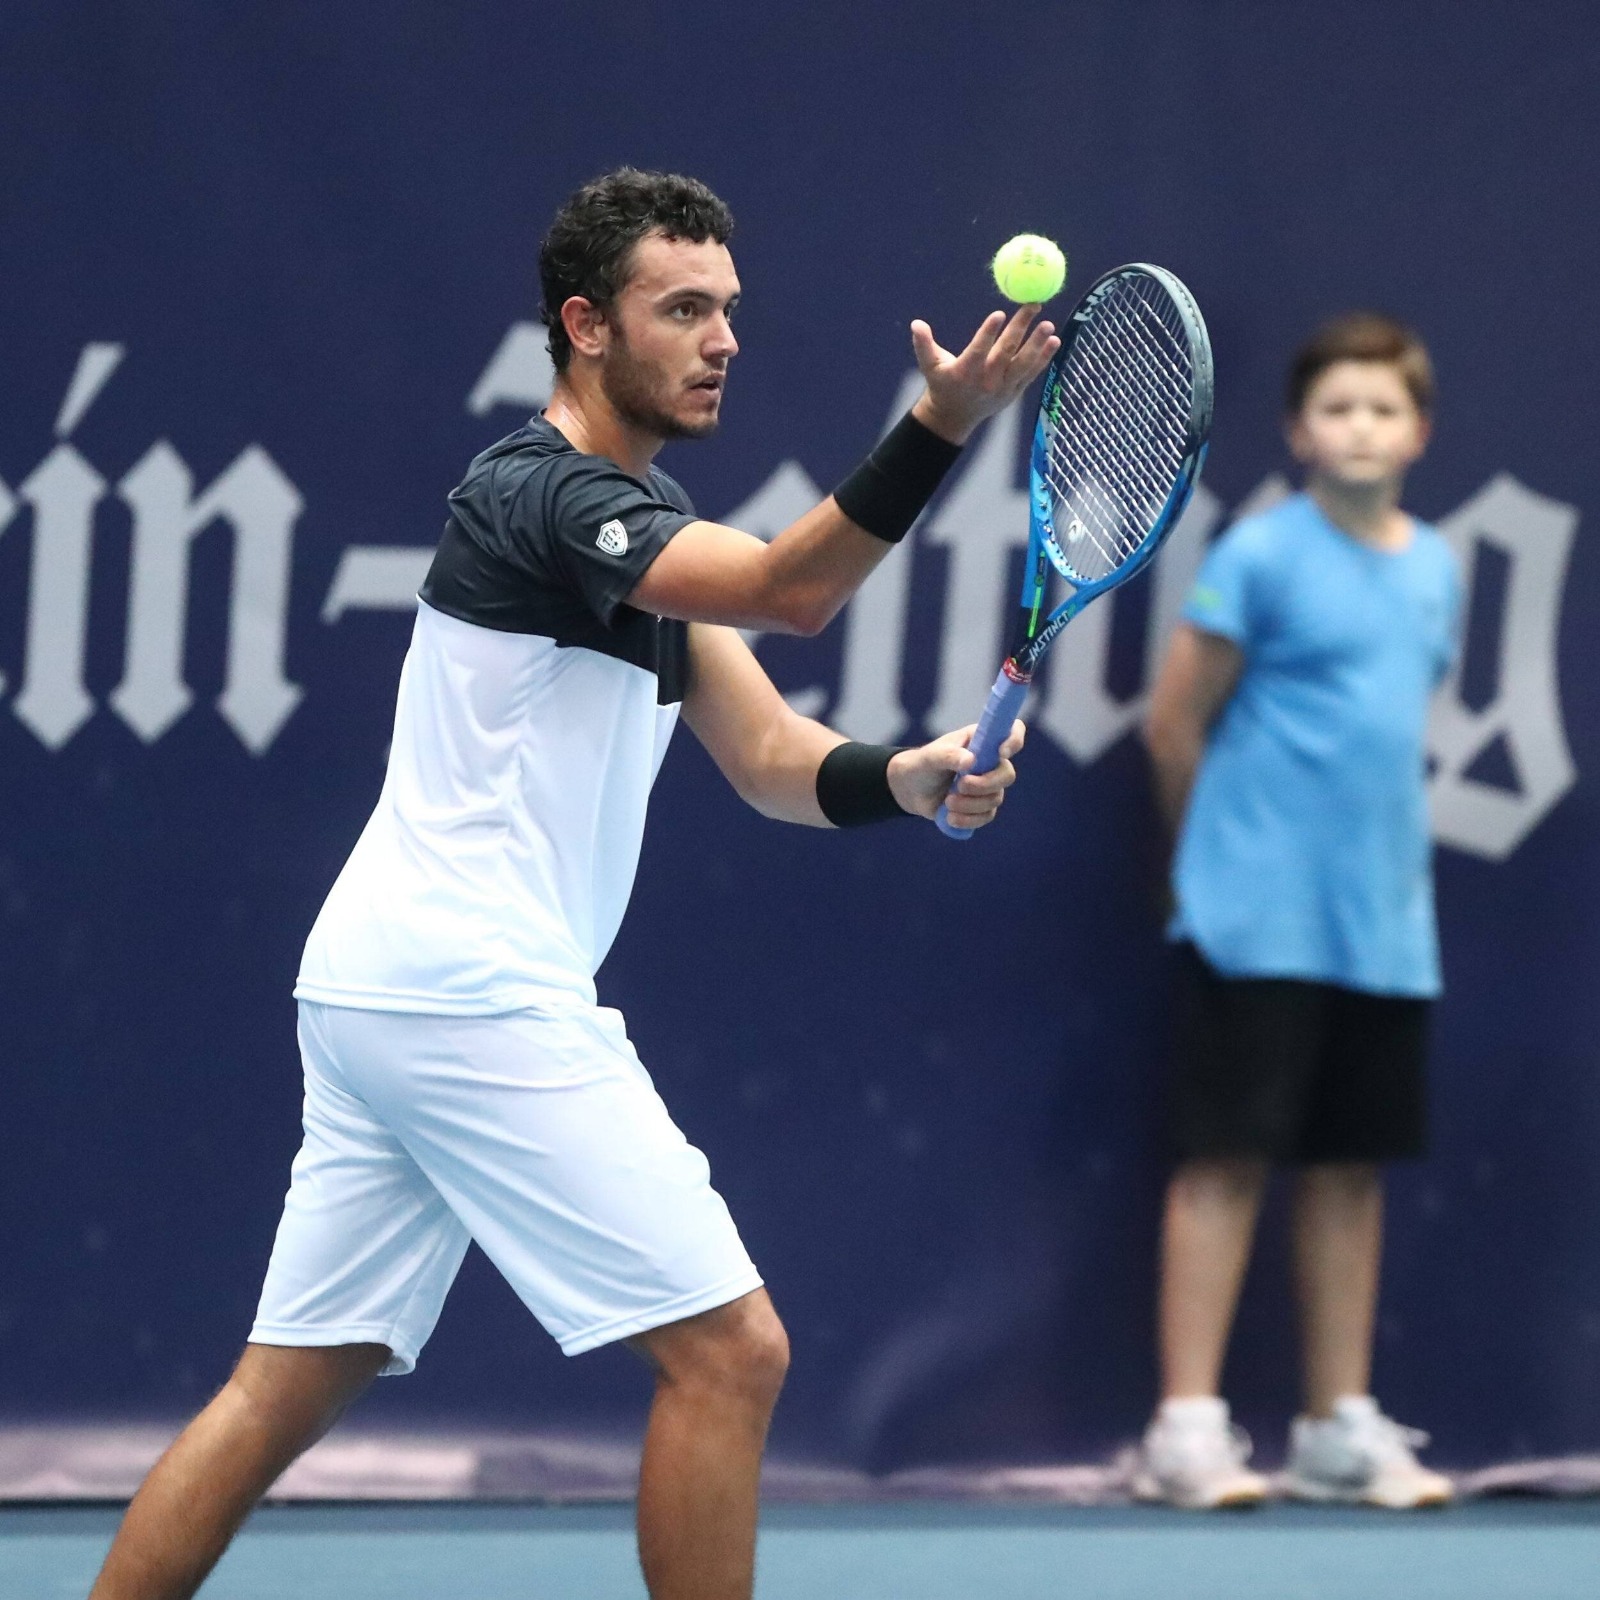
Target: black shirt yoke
<point>543,539</point>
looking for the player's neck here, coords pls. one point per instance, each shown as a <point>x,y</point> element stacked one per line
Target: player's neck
<point>1369,512</point>
<point>590,423</point>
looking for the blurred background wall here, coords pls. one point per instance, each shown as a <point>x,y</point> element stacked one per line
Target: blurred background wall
<point>268,275</point>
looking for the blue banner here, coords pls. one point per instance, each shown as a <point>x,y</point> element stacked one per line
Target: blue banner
<point>269,285</point>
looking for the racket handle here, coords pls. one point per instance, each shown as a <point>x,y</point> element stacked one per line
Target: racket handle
<point>1005,701</point>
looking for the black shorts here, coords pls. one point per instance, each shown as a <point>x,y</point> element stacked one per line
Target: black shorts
<point>1295,1071</point>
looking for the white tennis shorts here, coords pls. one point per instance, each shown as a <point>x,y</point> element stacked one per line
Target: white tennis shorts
<point>538,1134</point>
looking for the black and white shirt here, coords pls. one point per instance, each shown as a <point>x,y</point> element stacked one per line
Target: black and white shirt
<point>535,708</point>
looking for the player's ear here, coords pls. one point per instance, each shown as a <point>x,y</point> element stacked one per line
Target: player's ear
<point>584,322</point>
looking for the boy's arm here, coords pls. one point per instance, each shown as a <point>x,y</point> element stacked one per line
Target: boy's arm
<point>1200,672</point>
<point>770,754</point>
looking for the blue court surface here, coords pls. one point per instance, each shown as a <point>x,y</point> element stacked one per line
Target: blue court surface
<point>1497,1550</point>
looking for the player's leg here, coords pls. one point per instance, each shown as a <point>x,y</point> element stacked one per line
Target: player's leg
<point>365,1253</point>
<point>544,1134</point>
<point>1368,1107</point>
<point>277,1403</point>
<point>717,1379</point>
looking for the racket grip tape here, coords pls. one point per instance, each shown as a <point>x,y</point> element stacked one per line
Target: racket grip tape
<point>994,726</point>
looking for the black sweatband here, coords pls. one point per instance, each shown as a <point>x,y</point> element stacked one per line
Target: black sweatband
<point>887,492</point>
<point>853,785</point>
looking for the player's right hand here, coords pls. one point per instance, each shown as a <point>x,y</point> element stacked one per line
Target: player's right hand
<point>1002,358</point>
<point>936,774</point>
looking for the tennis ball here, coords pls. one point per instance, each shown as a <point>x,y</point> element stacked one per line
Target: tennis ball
<point>1030,269</point>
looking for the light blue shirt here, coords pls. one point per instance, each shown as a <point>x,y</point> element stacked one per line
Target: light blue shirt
<point>1305,850</point>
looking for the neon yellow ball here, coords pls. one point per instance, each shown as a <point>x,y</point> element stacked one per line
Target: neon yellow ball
<point>1030,269</point>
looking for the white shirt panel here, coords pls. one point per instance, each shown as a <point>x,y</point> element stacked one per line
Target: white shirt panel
<point>496,868</point>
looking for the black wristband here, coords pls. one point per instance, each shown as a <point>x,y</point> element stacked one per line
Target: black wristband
<point>887,492</point>
<point>853,785</point>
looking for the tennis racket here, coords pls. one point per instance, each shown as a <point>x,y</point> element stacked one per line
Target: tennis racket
<point>1122,430</point>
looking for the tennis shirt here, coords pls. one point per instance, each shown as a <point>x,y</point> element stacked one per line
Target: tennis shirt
<point>534,711</point>
<point>1305,851</point>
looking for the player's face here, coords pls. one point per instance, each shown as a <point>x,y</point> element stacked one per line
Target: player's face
<point>671,338</point>
<point>1359,425</point>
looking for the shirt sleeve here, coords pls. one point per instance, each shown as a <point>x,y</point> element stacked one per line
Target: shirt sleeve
<point>1449,651</point>
<point>601,528</point>
<point>1222,599</point>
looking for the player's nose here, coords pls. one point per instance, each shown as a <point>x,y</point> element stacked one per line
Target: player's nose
<point>721,344</point>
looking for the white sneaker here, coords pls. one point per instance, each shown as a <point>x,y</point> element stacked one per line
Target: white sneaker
<point>1194,1457</point>
<point>1359,1456</point>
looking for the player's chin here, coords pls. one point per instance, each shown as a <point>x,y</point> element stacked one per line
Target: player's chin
<point>696,424</point>
<point>700,411</point>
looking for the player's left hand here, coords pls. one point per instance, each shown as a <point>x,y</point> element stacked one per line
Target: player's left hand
<point>936,774</point>
<point>1001,359</point>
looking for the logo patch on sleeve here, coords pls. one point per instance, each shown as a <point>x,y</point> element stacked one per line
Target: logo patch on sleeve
<point>613,538</point>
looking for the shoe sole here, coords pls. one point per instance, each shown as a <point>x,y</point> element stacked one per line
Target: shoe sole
<point>1150,1492</point>
<point>1325,1494</point>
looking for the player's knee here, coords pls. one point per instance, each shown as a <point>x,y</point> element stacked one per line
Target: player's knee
<point>301,1391</point>
<point>751,1358</point>
<point>764,1358</point>
<point>740,1351</point>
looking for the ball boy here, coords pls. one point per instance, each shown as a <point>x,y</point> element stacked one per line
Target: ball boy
<point>1286,730</point>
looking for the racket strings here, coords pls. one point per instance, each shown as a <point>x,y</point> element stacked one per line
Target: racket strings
<point>1135,444</point>
<point>1148,392</point>
<point>1147,471</point>
<point>1117,429</point>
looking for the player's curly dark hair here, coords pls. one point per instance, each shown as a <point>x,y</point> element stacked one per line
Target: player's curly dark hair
<point>589,248</point>
<point>1362,336</point>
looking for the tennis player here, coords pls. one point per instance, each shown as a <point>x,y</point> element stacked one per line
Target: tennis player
<point>1286,729</point>
<point>461,1080</point>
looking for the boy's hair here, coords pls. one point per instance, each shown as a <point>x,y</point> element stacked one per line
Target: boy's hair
<point>590,244</point>
<point>1363,336</point>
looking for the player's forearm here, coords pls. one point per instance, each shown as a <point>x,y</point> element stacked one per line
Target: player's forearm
<point>813,567</point>
<point>799,582</point>
<point>819,562</point>
<point>780,777</point>
<point>825,557</point>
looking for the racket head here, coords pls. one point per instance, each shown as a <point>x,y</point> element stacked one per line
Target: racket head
<point>1124,419</point>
